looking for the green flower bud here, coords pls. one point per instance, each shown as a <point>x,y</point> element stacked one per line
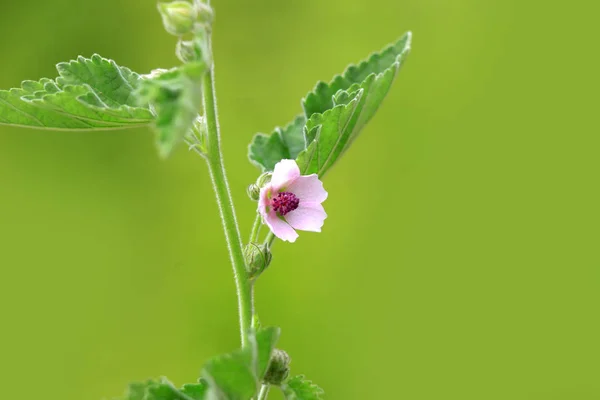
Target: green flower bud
<point>279,369</point>
<point>258,257</point>
<point>254,189</point>
<point>178,17</point>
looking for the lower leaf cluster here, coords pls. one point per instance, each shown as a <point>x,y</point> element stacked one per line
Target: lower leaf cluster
<point>233,376</point>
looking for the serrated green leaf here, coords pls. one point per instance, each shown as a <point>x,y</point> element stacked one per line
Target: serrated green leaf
<point>89,94</point>
<point>392,57</point>
<point>176,97</point>
<point>238,375</point>
<point>283,143</point>
<point>232,376</point>
<point>298,388</point>
<point>196,391</point>
<point>335,113</point>
<point>326,134</point>
<point>164,390</point>
<point>137,391</point>
<point>338,111</point>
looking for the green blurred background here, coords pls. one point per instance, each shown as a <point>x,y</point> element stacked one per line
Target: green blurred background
<point>460,258</point>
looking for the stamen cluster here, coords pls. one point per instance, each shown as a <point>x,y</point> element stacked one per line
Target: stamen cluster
<point>285,202</point>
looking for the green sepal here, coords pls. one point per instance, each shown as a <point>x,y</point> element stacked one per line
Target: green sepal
<point>89,94</point>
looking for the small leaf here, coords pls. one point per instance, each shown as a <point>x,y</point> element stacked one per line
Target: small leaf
<point>238,375</point>
<point>232,376</point>
<point>266,339</point>
<point>89,94</point>
<point>298,388</point>
<point>164,390</point>
<point>267,150</point>
<point>196,391</point>
<point>136,391</point>
<point>176,97</point>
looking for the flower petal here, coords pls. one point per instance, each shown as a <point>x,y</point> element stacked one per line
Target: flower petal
<point>280,228</point>
<point>309,216</point>
<point>308,188</point>
<point>263,200</point>
<point>284,173</point>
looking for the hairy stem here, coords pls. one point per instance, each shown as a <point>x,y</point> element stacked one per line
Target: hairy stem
<point>264,392</point>
<point>230,226</point>
<point>255,229</point>
<point>270,239</point>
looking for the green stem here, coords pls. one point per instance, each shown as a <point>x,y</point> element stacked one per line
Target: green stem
<point>270,239</point>
<point>255,229</point>
<point>230,226</point>
<point>264,392</point>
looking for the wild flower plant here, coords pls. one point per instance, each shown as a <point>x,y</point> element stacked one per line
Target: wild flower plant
<point>180,104</point>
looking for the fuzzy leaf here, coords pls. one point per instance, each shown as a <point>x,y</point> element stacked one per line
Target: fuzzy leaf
<point>232,376</point>
<point>335,113</point>
<point>321,98</point>
<point>283,143</point>
<point>237,376</point>
<point>298,388</point>
<point>176,97</point>
<point>164,390</point>
<point>89,94</point>
<point>196,391</point>
<point>265,344</point>
<point>338,111</point>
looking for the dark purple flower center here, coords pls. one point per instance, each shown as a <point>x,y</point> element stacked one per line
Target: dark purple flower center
<point>285,202</point>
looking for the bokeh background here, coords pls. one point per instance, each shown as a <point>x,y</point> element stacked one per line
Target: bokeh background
<point>460,258</point>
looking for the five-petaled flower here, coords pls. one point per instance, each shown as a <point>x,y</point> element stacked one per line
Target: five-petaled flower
<point>292,201</point>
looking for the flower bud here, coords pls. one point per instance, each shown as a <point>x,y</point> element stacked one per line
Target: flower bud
<point>279,369</point>
<point>258,257</point>
<point>178,17</point>
<point>254,189</point>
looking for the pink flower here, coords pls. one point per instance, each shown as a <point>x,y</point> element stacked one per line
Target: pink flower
<point>291,201</point>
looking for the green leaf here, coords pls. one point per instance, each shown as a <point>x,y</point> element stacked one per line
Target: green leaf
<point>338,111</point>
<point>267,150</point>
<point>176,97</point>
<point>196,391</point>
<point>335,113</point>
<point>326,134</point>
<point>164,390</point>
<point>391,58</point>
<point>137,391</point>
<point>298,388</point>
<point>89,94</point>
<point>237,375</point>
<point>265,341</point>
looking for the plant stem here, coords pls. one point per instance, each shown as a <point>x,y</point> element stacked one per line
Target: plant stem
<point>255,229</point>
<point>264,392</point>
<point>230,226</point>
<point>270,239</point>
